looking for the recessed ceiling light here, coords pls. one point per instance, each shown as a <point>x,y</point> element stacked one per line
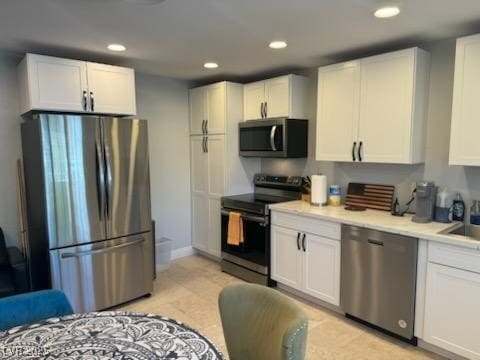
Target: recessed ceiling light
<point>386,12</point>
<point>278,45</point>
<point>210,65</point>
<point>116,47</point>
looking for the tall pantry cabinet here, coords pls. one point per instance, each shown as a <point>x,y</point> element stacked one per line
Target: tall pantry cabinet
<point>216,169</point>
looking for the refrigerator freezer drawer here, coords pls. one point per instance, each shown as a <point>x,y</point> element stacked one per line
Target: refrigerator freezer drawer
<point>104,274</point>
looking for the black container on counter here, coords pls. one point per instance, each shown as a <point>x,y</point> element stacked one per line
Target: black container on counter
<point>458,208</point>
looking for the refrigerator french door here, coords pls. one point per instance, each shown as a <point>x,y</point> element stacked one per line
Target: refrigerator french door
<point>88,207</point>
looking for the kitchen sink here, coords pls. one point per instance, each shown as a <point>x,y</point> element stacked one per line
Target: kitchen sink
<point>471,231</point>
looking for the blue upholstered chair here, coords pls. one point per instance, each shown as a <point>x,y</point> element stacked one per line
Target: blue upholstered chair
<point>32,307</point>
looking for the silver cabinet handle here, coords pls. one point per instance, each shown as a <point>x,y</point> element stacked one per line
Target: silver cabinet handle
<point>101,251</point>
<point>261,109</point>
<point>353,151</point>
<point>298,241</point>
<point>203,144</point>
<point>203,126</point>
<point>206,144</point>
<point>265,109</point>
<point>84,100</point>
<point>272,137</point>
<point>303,243</point>
<point>206,127</point>
<point>92,102</point>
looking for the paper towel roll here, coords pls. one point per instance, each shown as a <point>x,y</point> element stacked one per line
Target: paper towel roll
<point>319,190</point>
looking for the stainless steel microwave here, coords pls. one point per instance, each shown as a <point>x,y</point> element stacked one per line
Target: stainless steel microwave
<point>275,138</point>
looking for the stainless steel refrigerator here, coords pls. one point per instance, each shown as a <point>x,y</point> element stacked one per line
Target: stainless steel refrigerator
<point>88,208</point>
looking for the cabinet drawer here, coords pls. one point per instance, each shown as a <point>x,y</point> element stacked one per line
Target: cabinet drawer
<point>455,256</point>
<point>306,224</point>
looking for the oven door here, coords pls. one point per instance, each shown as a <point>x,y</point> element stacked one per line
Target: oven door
<point>254,253</point>
<point>262,138</point>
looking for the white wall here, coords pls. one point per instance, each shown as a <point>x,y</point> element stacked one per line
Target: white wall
<point>466,180</point>
<point>164,103</point>
<point>10,147</point>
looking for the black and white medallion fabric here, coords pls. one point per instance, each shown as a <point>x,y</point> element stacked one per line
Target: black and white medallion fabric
<point>107,335</point>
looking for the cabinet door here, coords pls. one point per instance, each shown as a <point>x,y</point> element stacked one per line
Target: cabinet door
<point>56,84</point>
<point>464,148</point>
<point>111,89</point>
<point>321,268</point>
<point>216,165</point>
<point>286,258</point>
<point>216,116</point>
<point>199,165</point>
<point>198,110</point>
<point>200,221</point>
<point>253,98</point>
<point>386,98</point>
<point>451,310</point>
<point>337,111</point>
<point>215,226</point>
<point>278,96</point>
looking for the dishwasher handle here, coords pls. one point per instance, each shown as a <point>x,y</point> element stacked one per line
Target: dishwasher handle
<point>375,242</point>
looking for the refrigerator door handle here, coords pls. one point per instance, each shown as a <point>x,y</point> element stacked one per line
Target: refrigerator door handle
<point>103,250</point>
<point>108,170</point>
<point>100,179</point>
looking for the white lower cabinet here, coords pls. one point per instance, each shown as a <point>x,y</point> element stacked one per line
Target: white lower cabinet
<point>200,222</point>
<point>452,315</point>
<point>305,261</point>
<point>286,259</point>
<point>321,264</point>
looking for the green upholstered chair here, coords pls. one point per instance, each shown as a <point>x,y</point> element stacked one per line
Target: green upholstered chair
<point>260,323</point>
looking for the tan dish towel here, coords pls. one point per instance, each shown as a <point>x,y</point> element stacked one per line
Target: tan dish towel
<point>235,229</point>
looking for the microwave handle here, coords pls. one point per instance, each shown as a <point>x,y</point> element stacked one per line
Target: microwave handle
<point>272,137</point>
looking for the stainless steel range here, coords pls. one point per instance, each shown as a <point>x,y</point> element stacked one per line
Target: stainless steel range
<point>251,259</point>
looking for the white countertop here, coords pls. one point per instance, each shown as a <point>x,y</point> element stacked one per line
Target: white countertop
<point>379,220</point>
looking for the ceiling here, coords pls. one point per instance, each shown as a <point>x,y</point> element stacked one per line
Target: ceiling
<point>176,37</point>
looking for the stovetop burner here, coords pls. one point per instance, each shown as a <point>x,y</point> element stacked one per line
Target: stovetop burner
<point>269,189</point>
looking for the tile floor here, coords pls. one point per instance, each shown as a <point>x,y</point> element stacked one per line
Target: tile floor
<point>188,292</point>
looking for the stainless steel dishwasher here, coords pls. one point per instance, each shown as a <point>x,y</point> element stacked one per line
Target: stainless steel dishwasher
<point>378,277</point>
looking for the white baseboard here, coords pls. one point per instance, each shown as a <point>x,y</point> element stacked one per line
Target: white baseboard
<point>182,252</point>
<point>175,254</point>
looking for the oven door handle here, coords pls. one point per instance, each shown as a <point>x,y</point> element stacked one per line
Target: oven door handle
<point>272,137</point>
<point>257,219</point>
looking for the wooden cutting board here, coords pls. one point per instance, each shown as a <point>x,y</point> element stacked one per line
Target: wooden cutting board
<point>370,196</point>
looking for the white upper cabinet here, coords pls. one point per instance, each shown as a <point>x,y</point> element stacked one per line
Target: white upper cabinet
<point>208,109</point>
<point>198,110</point>
<point>277,97</point>
<point>337,124</point>
<point>216,95</point>
<point>56,84</point>
<point>464,146</point>
<point>49,83</point>
<point>283,96</point>
<point>374,109</point>
<point>111,89</point>
<point>253,100</point>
